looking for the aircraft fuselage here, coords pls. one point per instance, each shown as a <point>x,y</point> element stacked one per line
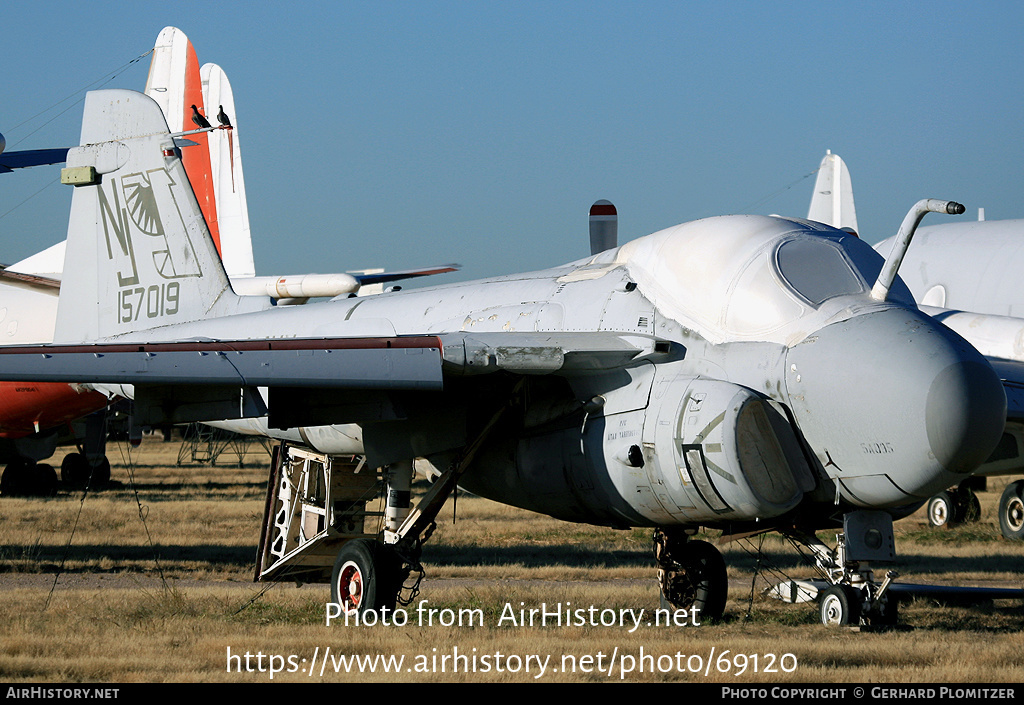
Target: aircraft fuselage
<point>762,387</point>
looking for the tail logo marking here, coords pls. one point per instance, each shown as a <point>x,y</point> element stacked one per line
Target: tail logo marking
<point>137,214</point>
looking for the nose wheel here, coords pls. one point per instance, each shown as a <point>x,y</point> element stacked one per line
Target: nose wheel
<point>853,597</point>
<point>840,605</point>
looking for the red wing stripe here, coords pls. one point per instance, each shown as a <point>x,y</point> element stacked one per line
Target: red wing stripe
<point>232,345</point>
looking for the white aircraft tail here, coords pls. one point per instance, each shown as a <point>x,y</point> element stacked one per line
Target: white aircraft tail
<point>228,179</point>
<point>832,202</point>
<point>175,83</point>
<point>139,252</point>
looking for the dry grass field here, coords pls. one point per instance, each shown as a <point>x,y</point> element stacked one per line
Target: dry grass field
<point>150,580</point>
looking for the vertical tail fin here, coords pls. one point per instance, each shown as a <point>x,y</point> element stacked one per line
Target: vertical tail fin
<point>175,83</point>
<point>832,202</point>
<point>228,181</point>
<point>604,227</point>
<point>139,253</point>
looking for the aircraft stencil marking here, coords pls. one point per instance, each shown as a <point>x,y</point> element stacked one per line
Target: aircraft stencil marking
<point>149,200</point>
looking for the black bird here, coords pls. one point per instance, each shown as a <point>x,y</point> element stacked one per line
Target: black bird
<point>198,118</point>
<point>222,117</point>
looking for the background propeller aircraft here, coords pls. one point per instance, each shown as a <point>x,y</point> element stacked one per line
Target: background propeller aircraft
<point>740,373</point>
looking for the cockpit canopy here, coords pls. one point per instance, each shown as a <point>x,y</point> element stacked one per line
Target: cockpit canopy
<point>752,277</point>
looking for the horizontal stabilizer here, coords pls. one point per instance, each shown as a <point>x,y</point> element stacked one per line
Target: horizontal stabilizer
<point>9,161</point>
<point>29,280</point>
<point>398,275</point>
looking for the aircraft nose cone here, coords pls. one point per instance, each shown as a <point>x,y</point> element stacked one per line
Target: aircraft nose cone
<point>965,406</point>
<point>895,405</point>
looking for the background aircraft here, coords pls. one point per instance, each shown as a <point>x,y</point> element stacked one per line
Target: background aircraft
<point>735,373</point>
<point>964,275</point>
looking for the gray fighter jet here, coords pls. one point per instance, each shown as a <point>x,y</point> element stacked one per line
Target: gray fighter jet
<point>739,373</point>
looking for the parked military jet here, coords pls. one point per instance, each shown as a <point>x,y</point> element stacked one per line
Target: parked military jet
<point>741,373</point>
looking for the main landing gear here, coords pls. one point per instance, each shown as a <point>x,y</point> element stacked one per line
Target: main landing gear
<point>691,574</point>
<point>958,505</point>
<point>1011,511</point>
<point>319,525</point>
<point>367,576</point>
<point>25,478</point>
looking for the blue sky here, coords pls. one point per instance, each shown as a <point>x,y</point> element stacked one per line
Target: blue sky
<point>401,134</point>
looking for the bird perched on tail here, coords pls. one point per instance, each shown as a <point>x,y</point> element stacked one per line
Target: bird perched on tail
<point>198,119</point>
<point>223,118</point>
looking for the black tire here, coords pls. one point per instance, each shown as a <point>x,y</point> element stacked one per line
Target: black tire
<point>364,577</point>
<point>43,480</point>
<point>101,473</point>
<point>888,615</point>
<point>27,479</point>
<point>14,482</point>
<point>74,470</point>
<point>941,510</point>
<point>1011,511</point>
<point>700,581</point>
<point>839,605</point>
<point>971,507</point>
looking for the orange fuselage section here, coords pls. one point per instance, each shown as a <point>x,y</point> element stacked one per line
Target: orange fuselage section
<point>27,407</point>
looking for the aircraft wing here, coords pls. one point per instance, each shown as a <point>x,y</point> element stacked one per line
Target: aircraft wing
<point>400,362</point>
<point>301,287</point>
<point>9,161</point>
<point>201,380</point>
<point>356,363</point>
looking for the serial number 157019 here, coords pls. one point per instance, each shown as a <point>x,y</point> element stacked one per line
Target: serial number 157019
<point>153,301</point>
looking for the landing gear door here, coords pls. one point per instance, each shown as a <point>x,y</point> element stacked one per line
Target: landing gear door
<point>315,503</point>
